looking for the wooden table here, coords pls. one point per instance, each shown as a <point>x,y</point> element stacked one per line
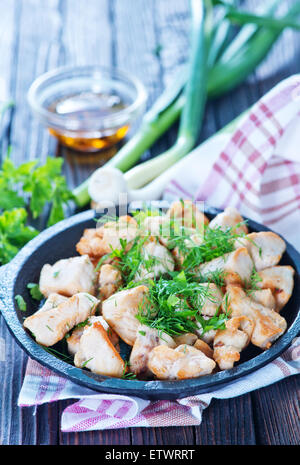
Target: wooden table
<point>149,39</point>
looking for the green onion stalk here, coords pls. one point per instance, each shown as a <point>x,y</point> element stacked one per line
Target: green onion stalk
<point>229,67</point>
<point>190,105</point>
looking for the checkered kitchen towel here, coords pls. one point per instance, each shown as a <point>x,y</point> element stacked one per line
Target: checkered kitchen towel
<point>258,171</point>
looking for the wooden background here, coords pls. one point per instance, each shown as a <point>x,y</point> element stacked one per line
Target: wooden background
<point>148,38</point>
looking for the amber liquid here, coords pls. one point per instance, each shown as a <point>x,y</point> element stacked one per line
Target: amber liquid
<point>83,106</point>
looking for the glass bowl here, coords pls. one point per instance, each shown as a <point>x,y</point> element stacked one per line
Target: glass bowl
<point>88,108</point>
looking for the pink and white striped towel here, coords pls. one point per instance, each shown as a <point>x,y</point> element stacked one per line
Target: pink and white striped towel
<point>258,171</point>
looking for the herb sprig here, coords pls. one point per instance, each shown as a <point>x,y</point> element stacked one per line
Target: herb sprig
<point>31,187</point>
<point>174,306</point>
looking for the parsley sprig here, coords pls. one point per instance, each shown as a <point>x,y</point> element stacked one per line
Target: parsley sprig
<point>29,187</point>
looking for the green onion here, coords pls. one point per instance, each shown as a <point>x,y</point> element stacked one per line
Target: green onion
<point>245,34</point>
<point>225,76</point>
<point>242,17</point>
<point>195,98</point>
<point>191,105</point>
<point>219,36</point>
<point>229,69</point>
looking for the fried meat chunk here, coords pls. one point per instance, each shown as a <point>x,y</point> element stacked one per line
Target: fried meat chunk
<point>97,353</point>
<point>229,342</point>
<point>268,324</point>
<point>266,248</point>
<point>120,312</point>
<point>181,363</point>
<point>50,326</point>
<point>147,338</point>
<point>68,277</point>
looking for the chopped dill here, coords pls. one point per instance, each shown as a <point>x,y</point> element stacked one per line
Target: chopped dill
<point>251,285</point>
<point>86,362</point>
<point>58,354</point>
<point>216,243</point>
<point>128,375</point>
<point>174,306</point>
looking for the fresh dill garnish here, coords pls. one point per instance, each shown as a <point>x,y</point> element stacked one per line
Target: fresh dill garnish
<point>217,277</point>
<point>130,262</point>
<point>56,273</point>
<point>174,301</point>
<point>50,329</point>
<point>58,354</point>
<point>251,285</point>
<point>216,243</point>
<point>86,362</point>
<point>173,306</point>
<point>127,375</point>
<point>83,324</point>
<point>217,321</point>
<point>21,303</point>
<point>101,261</point>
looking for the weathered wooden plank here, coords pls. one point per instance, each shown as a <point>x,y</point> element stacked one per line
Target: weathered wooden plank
<point>36,27</point>
<point>227,422</point>
<point>276,413</point>
<point>163,436</point>
<point>40,25</point>
<point>8,42</point>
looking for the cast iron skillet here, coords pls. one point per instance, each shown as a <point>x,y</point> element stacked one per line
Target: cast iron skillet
<point>59,242</point>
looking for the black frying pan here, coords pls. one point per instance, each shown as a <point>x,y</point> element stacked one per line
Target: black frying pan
<point>59,242</point>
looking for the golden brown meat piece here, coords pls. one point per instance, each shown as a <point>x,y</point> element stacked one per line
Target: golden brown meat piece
<point>280,280</point>
<point>92,244</point>
<point>68,277</point>
<point>268,324</point>
<point>187,214</point>
<point>120,311</point>
<point>50,326</point>
<point>181,363</point>
<point>237,266</point>
<point>146,339</point>
<point>208,336</point>
<point>266,248</point>
<point>100,241</point>
<point>229,218</point>
<point>264,297</point>
<point>185,338</point>
<point>229,342</point>
<point>74,340</point>
<point>110,280</point>
<point>97,353</point>
<point>205,348</point>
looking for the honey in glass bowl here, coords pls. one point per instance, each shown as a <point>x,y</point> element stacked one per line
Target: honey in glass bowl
<point>87,108</point>
<point>88,105</point>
